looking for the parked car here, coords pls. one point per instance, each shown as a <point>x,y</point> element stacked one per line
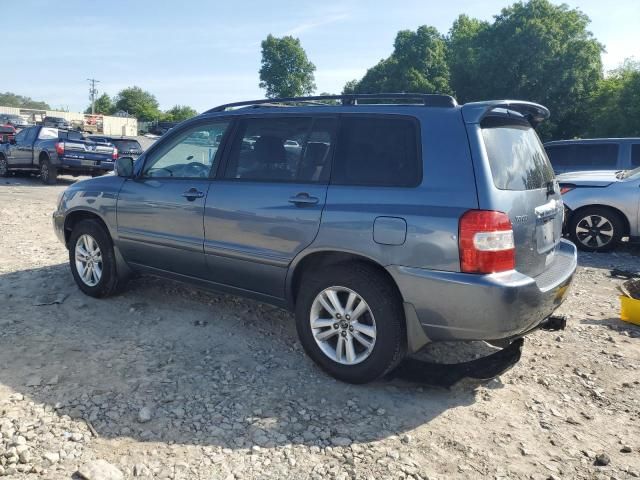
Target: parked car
<point>392,226</point>
<point>127,147</point>
<point>160,128</point>
<point>51,151</point>
<point>7,133</point>
<point>15,121</point>
<point>56,122</point>
<point>601,207</point>
<point>594,154</point>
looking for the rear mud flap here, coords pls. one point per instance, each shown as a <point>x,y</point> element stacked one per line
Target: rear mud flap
<point>447,375</point>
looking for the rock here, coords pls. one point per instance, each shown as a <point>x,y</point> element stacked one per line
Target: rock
<point>144,415</point>
<point>53,380</point>
<point>340,441</point>
<point>602,460</point>
<point>626,449</point>
<point>24,456</point>
<point>51,457</point>
<point>33,381</point>
<point>406,438</point>
<point>99,470</point>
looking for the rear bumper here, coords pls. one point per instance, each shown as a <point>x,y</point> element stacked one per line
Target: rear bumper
<point>461,306</point>
<point>78,165</point>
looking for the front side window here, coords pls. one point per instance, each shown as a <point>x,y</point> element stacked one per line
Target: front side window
<point>282,149</point>
<point>21,136</point>
<point>192,154</point>
<point>377,151</point>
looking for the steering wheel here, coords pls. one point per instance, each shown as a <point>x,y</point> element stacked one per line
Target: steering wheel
<point>201,170</point>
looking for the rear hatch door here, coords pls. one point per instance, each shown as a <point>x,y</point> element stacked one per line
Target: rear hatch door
<point>525,189</point>
<point>88,151</point>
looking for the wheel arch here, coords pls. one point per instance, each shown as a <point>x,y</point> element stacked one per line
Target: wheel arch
<point>625,221</point>
<point>73,217</point>
<point>44,155</point>
<point>322,259</point>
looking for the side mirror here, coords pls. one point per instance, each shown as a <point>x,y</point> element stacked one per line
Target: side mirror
<point>124,167</point>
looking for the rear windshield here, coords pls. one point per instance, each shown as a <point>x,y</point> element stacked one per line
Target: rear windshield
<point>126,145</point>
<point>516,156</point>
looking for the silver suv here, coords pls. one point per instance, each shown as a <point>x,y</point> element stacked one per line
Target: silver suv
<point>382,226</point>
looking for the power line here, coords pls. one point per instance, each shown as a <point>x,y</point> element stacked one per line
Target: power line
<point>93,91</point>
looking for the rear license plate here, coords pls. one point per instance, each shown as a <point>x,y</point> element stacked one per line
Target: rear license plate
<point>546,236</point>
<point>87,163</point>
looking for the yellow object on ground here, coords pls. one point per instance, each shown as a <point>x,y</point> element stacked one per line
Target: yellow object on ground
<point>630,310</point>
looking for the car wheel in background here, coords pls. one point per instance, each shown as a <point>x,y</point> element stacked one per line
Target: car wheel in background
<point>92,259</point>
<point>596,229</point>
<point>4,167</point>
<point>48,173</point>
<point>350,321</point>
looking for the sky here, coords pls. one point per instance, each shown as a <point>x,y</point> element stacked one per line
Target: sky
<point>204,53</point>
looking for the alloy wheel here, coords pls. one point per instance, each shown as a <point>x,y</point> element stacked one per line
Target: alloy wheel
<point>594,231</point>
<point>343,325</point>
<point>88,260</point>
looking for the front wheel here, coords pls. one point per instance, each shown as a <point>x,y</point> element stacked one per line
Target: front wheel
<point>596,229</point>
<point>350,321</point>
<point>92,259</point>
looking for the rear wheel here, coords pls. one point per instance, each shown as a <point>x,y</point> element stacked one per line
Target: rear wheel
<point>350,322</point>
<point>4,167</point>
<point>92,259</point>
<point>48,173</point>
<point>596,229</point>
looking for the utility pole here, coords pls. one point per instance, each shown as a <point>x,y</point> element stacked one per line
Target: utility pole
<point>93,91</point>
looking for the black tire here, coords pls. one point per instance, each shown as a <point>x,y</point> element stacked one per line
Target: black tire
<point>109,281</point>
<point>4,167</point>
<point>385,305</point>
<point>609,235</point>
<point>48,173</point>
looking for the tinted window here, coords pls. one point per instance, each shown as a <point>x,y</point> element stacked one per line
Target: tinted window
<point>517,158</point>
<point>280,149</point>
<point>597,156</point>
<point>560,155</point>
<point>30,135</point>
<point>189,155</point>
<point>635,155</point>
<point>377,151</point>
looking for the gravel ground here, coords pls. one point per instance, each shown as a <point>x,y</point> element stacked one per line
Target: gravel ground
<point>164,381</point>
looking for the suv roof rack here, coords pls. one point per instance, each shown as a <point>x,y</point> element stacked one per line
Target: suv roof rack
<point>425,99</point>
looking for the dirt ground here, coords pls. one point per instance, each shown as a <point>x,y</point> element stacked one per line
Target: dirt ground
<point>165,381</point>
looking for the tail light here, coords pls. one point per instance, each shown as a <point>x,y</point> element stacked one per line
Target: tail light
<point>486,242</point>
<point>60,148</point>
<point>114,155</point>
<point>566,188</point>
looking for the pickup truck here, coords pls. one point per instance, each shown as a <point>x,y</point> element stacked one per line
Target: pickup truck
<point>52,151</point>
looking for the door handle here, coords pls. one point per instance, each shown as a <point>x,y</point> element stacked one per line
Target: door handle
<point>303,199</point>
<point>192,194</point>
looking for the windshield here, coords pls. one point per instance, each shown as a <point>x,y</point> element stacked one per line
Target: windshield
<point>516,155</point>
<point>629,173</point>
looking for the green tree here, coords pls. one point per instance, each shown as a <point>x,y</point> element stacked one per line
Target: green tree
<point>179,113</point>
<point>9,99</point>
<point>139,103</point>
<point>534,51</point>
<point>614,108</point>
<point>104,105</point>
<point>286,71</point>
<point>418,64</point>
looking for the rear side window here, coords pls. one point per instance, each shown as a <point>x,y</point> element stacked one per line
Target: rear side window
<point>282,149</point>
<point>597,155</point>
<point>516,156</point>
<point>635,155</point>
<point>560,155</point>
<point>127,145</point>
<point>377,151</point>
